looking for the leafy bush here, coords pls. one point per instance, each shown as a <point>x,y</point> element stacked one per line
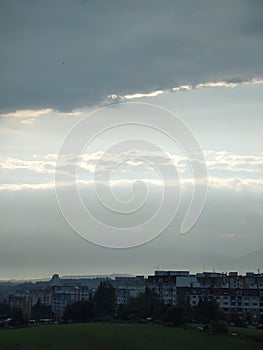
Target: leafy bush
<point>81,311</point>
<point>175,315</point>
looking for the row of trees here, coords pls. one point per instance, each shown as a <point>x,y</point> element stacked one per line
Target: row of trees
<point>147,305</point>
<point>15,314</point>
<point>102,306</point>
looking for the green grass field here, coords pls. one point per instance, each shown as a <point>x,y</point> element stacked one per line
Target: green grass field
<point>100,336</point>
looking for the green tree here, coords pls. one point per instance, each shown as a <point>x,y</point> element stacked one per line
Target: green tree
<point>144,305</point>
<point>207,310</point>
<point>105,300</point>
<point>183,302</point>
<point>39,311</point>
<point>175,315</point>
<point>5,310</point>
<point>248,318</point>
<point>135,309</point>
<point>81,311</point>
<point>17,317</point>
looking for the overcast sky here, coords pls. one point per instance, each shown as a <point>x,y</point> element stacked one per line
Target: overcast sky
<point>63,60</point>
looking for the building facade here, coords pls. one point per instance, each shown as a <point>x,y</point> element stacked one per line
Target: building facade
<point>127,287</point>
<point>234,293</point>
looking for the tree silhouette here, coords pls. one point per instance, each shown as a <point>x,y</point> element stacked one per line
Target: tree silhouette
<point>105,300</point>
<point>39,311</point>
<point>81,311</point>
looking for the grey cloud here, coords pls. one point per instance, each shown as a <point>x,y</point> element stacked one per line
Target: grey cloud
<point>65,55</point>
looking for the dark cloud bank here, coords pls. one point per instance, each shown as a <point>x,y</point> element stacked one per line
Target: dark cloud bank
<point>68,54</point>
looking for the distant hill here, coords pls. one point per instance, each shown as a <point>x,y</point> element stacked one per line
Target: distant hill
<point>97,276</point>
<point>44,279</point>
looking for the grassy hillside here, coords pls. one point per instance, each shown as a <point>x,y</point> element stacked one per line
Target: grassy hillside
<point>100,336</point>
